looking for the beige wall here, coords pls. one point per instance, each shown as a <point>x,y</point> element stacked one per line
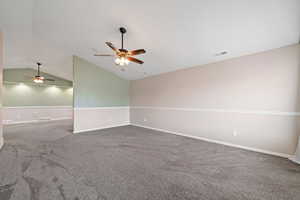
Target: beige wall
<point>251,101</point>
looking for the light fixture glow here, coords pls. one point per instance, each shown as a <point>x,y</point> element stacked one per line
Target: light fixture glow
<point>38,79</point>
<point>21,87</point>
<point>122,61</point>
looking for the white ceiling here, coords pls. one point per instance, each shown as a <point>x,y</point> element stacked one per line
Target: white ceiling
<point>176,34</point>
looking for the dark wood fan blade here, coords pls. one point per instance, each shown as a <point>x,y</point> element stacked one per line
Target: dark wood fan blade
<point>49,79</point>
<point>103,55</point>
<point>136,52</point>
<point>132,59</point>
<point>111,46</point>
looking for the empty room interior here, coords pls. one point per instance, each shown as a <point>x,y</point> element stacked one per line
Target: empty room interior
<point>150,100</point>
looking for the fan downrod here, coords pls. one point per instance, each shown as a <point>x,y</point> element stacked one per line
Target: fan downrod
<point>123,30</point>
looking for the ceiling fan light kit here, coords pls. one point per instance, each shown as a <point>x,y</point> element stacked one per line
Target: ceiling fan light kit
<point>123,56</point>
<point>38,78</point>
<point>122,61</point>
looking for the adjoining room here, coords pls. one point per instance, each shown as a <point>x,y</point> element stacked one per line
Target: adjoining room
<point>140,100</point>
<point>32,101</point>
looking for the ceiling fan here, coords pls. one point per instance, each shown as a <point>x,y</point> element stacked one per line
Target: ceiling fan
<point>123,56</point>
<point>38,78</point>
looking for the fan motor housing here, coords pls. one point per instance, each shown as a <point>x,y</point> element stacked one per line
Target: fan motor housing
<point>123,50</point>
<point>123,30</point>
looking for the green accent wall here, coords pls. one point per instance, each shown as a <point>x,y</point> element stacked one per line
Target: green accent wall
<point>96,87</point>
<point>19,90</point>
<point>16,95</point>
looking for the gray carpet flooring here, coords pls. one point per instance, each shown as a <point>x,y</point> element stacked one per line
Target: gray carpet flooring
<point>45,161</point>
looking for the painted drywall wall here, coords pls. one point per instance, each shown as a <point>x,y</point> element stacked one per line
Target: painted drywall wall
<point>25,101</point>
<point>23,94</point>
<point>96,87</point>
<point>252,101</point>
<point>1,71</point>
<point>28,114</point>
<point>19,90</point>
<point>101,98</point>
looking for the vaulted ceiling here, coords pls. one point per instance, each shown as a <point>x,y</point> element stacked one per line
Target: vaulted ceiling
<point>176,34</point>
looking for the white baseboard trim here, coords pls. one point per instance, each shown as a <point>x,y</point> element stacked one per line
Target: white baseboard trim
<point>100,128</point>
<point>217,142</point>
<point>293,159</point>
<point>1,142</point>
<point>7,122</point>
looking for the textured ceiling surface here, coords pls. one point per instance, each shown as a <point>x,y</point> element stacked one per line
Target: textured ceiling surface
<point>176,34</point>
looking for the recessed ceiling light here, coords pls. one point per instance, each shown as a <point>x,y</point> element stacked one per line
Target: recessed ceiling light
<point>222,53</point>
